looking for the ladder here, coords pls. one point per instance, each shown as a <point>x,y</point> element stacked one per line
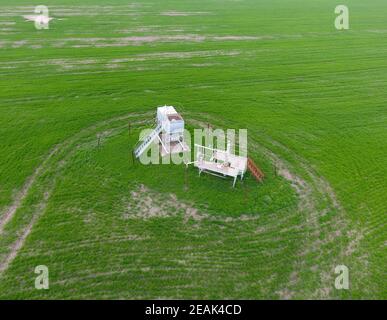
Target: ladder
<point>144,144</point>
<point>255,171</point>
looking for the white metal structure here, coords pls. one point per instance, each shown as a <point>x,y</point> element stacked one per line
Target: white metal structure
<point>169,132</point>
<point>220,163</point>
<point>147,141</point>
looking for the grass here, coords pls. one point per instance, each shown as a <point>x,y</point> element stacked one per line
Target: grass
<point>312,99</point>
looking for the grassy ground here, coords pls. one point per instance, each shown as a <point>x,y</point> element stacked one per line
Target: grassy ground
<point>313,101</point>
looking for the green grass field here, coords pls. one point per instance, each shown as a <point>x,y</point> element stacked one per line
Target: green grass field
<point>312,98</point>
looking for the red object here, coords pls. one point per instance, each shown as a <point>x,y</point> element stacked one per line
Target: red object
<point>255,171</point>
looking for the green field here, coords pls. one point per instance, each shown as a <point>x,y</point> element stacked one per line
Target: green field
<point>312,98</point>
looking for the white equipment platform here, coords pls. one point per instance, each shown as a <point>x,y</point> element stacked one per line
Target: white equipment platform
<point>169,133</point>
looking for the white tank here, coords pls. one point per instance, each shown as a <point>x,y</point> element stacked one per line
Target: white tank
<point>171,121</point>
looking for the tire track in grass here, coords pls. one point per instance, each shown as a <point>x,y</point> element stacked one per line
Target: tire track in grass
<point>20,241</point>
<point>337,231</point>
<point>21,195</point>
<point>304,191</point>
<point>43,168</point>
<point>17,245</point>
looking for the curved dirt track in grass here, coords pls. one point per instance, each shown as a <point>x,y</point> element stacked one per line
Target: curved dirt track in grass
<point>20,196</point>
<point>24,192</point>
<point>306,190</point>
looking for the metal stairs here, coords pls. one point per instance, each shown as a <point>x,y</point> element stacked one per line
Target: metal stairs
<point>144,144</point>
<point>255,171</point>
